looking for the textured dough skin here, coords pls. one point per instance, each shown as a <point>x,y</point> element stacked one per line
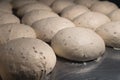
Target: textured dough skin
<point>73,11</point>
<point>12,31</point>
<point>104,7</point>
<point>8,18</point>
<point>36,15</point>
<point>30,7</point>
<point>3,10</point>
<point>19,3</point>
<point>47,2</point>
<point>115,15</point>
<point>47,28</point>
<point>5,7</point>
<point>59,5</point>
<point>26,59</point>
<point>110,33</point>
<point>91,20</point>
<point>87,3</point>
<point>78,44</point>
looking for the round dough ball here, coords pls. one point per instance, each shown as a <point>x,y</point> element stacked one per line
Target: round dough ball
<point>87,3</point>
<point>36,15</point>
<point>12,31</point>
<point>19,3</point>
<point>30,7</point>
<point>8,18</point>
<point>91,20</point>
<point>73,11</point>
<point>59,5</point>
<point>47,2</point>
<point>115,15</point>
<point>104,7</point>
<point>26,59</point>
<point>47,28</point>
<point>78,44</point>
<point>110,32</point>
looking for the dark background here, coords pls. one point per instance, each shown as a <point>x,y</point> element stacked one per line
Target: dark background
<point>116,2</point>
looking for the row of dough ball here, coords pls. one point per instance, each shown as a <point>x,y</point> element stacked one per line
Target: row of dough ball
<point>67,41</point>
<point>10,29</point>
<point>40,24</point>
<point>34,64</point>
<point>32,12</point>
<point>37,15</point>
<point>70,12</point>
<point>16,41</point>
<point>47,27</point>
<point>83,19</point>
<point>105,13</point>
<point>58,5</point>
<point>104,7</point>
<point>6,13</point>
<point>23,52</point>
<point>73,46</point>
<point>70,8</point>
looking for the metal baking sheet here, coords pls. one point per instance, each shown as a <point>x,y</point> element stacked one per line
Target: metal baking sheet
<point>107,68</point>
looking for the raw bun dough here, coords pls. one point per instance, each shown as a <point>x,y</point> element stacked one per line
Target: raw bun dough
<point>78,44</point>
<point>19,3</point>
<point>87,3</point>
<point>30,7</point>
<point>5,7</point>
<point>73,11</point>
<point>47,2</point>
<point>115,15</point>
<point>26,59</point>
<point>36,15</point>
<point>104,7</point>
<point>8,18</point>
<point>59,5</point>
<point>110,32</point>
<point>91,20</point>
<point>12,31</point>
<point>47,28</point>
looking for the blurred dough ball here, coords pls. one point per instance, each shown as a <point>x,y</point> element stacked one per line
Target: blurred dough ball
<point>19,3</point>
<point>36,15</point>
<point>74,11</point>
<point>59,5</point>
<point>87,3</point>
<point>115,15</point>
<point>91,20</point>
<point>104,7</point>
<point>47,28</point>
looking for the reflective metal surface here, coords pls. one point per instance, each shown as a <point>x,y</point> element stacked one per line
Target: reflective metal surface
<point>107,68</point>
